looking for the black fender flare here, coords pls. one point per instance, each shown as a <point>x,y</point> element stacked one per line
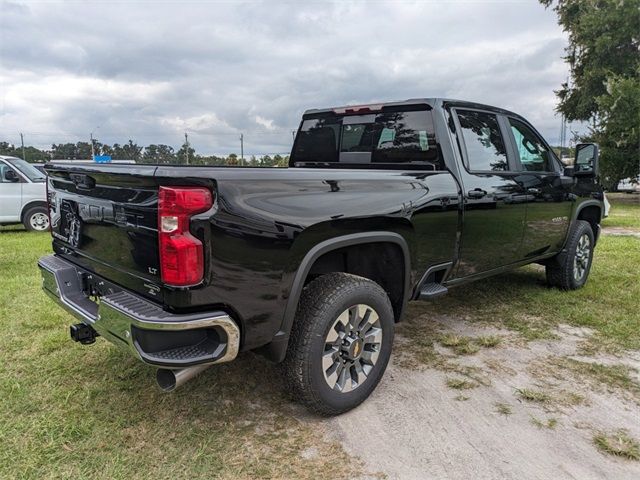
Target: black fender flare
<point>281,339</point>
<point>588,203</point>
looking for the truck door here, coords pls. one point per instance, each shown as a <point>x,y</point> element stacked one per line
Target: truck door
<point>548,191</point>
<point>494,200</point>
<point>10,194</point>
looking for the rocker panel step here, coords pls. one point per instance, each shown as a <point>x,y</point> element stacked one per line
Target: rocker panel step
<point>429,291</point>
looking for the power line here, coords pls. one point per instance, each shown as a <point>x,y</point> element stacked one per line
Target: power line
<point>157,133</point>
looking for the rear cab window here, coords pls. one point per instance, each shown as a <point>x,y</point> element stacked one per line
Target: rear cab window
<point>400,137</point>
<point>483,141</point>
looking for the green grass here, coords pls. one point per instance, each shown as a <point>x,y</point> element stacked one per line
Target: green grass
<point>531,395</point>
<point>488,341</point>
<point>521,301</point>
<point>503,409</point>
<point>625,211</point>
<point>460,384</point>
<point>69,411</point>
<point>618,443</point>
<point>612,376</point>
<point>549,424</point>
<point>462,345</point>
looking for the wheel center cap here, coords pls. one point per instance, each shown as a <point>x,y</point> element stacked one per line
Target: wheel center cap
<point>357,348</point>
<point>353,347</point>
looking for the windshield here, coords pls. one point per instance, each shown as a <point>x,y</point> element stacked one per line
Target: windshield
<point>394,136</point>
<point>28,170</point>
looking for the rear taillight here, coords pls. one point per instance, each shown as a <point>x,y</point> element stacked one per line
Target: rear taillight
<point>181,256</point>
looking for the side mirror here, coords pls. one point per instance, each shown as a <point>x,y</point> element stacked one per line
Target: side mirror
<point>586,161</point>
<point>11,176</point>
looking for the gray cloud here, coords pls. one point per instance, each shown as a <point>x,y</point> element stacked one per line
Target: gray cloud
<point>152,70</point>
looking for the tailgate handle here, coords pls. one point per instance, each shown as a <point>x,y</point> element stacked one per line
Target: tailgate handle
<point>82,181</point>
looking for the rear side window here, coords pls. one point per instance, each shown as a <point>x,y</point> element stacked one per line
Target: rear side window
<point>483,141</point>
<point>390,137</point>
<point>534,155</point>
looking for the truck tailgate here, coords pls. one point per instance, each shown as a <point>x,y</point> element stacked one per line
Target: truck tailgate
<point>104,218</point>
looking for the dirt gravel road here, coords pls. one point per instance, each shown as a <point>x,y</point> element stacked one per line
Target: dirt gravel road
<point>416,427</point>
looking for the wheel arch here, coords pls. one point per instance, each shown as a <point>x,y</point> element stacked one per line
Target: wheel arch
<point>591,212</point>
<point>276,350</point>
<point>28,206</point>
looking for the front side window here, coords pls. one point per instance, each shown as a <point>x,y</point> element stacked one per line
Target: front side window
<point>393,136</point>
<point>7,174</point>
<point>27,169</point>
<point>534,155</point>
<point>483,141</point>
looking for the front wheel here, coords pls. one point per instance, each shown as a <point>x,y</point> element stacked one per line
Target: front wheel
<point>340,343</point>
<point>36,219</point>
<point>570,269</point>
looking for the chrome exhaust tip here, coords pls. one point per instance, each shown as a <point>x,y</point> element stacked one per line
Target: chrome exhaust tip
<point>168,380</point>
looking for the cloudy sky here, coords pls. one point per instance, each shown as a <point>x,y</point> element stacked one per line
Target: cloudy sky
<point>151,70</point>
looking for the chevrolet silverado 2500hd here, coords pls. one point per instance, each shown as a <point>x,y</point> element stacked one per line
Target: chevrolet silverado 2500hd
<point>312,265</point>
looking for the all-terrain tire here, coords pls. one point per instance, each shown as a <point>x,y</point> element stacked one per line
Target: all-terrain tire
<point>36,219</point>
<point>570,269</point>
<point>325,303</point>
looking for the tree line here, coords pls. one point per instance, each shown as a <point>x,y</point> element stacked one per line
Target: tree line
<point>154,153</point>
<point>604,63</point>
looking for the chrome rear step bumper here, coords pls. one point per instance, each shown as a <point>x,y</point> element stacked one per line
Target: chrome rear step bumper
<point>141,327</point>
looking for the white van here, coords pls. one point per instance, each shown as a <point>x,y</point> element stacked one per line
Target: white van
<point>23,194</point>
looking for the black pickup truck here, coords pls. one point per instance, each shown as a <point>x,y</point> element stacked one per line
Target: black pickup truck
<point>312,265</point>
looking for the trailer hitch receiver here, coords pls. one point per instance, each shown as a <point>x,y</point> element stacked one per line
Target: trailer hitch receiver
<point>83,333</point>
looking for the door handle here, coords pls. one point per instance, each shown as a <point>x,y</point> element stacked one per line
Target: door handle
<point>534,191</point>
<point>476,193</point>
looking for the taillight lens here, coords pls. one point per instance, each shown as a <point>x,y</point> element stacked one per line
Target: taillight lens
<point>181,255</point>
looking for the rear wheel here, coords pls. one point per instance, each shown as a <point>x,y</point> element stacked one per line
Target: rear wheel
<point>340,343</point>
<point>570,269</point>
<point>36,219</point>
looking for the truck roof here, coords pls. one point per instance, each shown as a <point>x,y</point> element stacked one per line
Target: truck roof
<point>432,102</point>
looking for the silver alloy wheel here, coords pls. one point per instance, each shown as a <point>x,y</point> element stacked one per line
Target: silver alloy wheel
<point>351,348</point>
<point>39,221</point>
<point>582,257</point>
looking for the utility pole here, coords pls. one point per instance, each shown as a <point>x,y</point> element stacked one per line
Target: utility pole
<point>241,149</point>
<point>93,153</point>
<point>186,142</point>
<point>293,136</point>
<point>562,134</point>
<point>24,157</point>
